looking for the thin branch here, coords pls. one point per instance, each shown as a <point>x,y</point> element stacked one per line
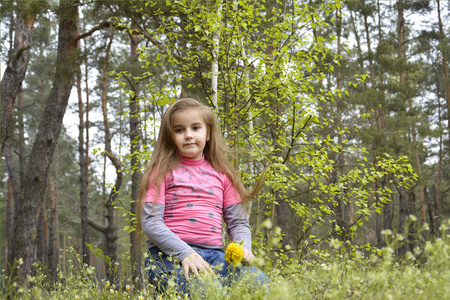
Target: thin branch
<point>19,52</point>
<point>96,226</point>
<point>105,24</point>
<point>295,138</point>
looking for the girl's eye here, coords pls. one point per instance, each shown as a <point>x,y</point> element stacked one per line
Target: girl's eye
<point>196,127</point>
<point>178,130</point>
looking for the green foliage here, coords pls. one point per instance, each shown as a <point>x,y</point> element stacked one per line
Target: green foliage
<point>270,103</point>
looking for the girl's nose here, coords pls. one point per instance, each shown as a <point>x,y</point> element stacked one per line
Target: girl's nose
<point>188,134</point>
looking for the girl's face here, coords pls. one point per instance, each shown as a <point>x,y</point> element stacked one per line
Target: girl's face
<point>190,133</point>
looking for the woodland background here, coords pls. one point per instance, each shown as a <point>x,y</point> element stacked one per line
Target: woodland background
<point>343,105</point>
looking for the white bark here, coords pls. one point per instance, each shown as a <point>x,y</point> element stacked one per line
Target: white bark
<point>215,58</point>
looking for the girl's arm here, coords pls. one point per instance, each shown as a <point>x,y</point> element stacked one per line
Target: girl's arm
<point>238,227</point>
<point>160,235</point>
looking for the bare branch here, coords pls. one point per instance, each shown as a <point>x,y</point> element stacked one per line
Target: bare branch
<point>105,24</point>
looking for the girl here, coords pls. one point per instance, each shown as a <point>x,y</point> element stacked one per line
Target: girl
<point>185,192</point>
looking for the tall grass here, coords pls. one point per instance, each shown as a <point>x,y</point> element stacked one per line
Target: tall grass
<point>342,272</point>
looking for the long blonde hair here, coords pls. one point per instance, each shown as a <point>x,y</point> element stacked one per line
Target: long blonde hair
<point>165,156</point>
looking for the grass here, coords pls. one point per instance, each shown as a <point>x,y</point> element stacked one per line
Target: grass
<point>342,272</point>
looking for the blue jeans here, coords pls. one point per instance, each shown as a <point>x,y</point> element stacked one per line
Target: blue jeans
<point>161,268</point>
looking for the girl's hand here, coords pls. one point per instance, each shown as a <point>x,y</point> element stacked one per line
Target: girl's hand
<point>248,256</point>
<point>195,263</point>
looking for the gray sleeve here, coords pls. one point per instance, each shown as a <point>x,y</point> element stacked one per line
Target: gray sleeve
<point>238,227</point>
<point>160,235</point>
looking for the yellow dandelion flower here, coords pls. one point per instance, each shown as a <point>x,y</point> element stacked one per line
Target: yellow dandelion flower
<point>234,254</point>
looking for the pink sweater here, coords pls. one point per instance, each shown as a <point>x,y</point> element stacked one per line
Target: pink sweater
<point>194,195</point>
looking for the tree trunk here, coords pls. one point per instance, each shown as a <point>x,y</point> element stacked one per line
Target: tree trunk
<point>41,236</point>
<point>377,214</point>
<point>22,153</point>
<point>215,59</point>
<point>443,48</point>
<point>13,197</point>
<point>135,176</point>
<point>418,164</point>
<point>404,79</point>
<point>437,199</point>
<point>431,216</point>
<point>17,65</point>
<point>52,252</point>
<point>400,55</point>
<point>9,227</point>
<point>412,232</point>
<point>33,191</point>
<point>135,145</point>
<point>87,126</point>
<point>387,222</point>
<point>403,207</point>
<point>109,231</point>
<point>83,176</point>
<point>56,210</point>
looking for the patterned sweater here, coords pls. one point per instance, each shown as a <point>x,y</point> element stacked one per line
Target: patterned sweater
<point>189,208</point>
